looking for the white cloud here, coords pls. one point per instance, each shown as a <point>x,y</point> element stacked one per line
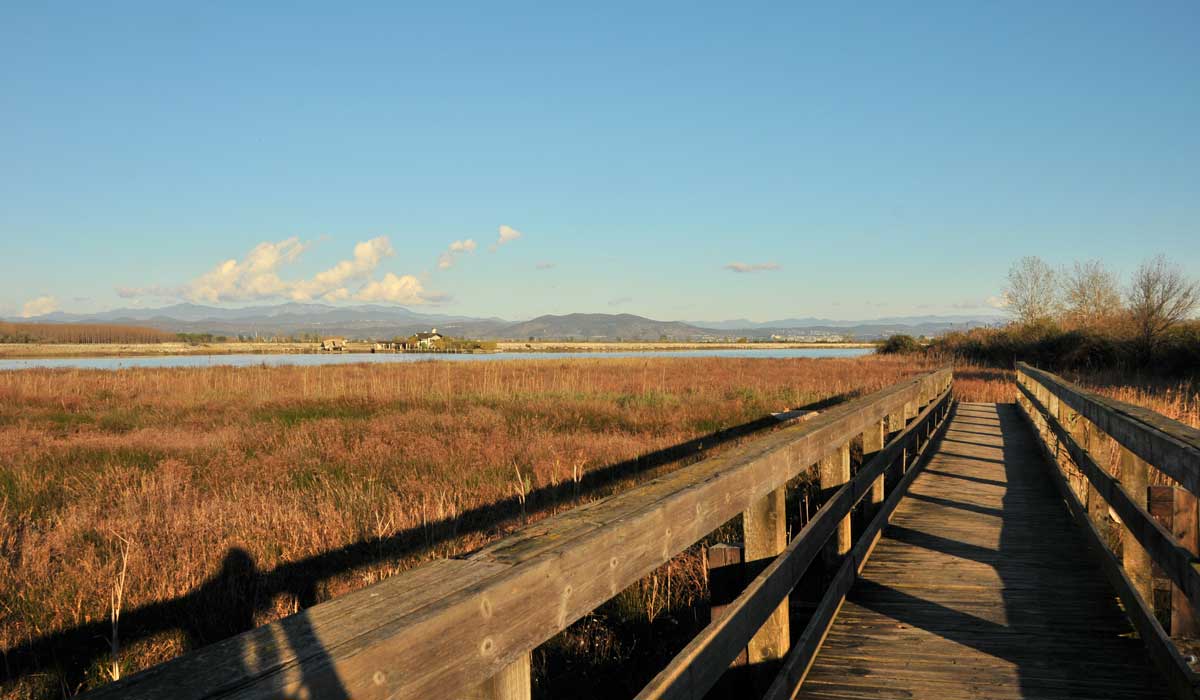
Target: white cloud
<point>446,259</point>
<point>997,302</point>
<point>507,234</point>
<point>367,256</point>
<point>39,306</point>
<point>254,277</point>
<point>397,289</point>
<point>257,276</point>
<point>741,267</point>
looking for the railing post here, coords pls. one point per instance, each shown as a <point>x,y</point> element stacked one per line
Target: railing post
<point>1094,444</point>
<point>872,442</point>
<point>835,471</point>
<point>513,682</point>
<point>764,533</point>
<point>1183,527</point>
<point>1072,423</point>
<point>908,414</point>
<point>1135,480</point>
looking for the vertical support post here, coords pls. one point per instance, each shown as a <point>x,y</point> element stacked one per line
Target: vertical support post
<point>1183,526</point>
<point>909,413</point>
<point>513,682</point>
<point>872,444</point>
<point>835,471</point>
<point>1073,423</point>
<point>764,531</point>
<point>1052,405</point>
<point>726,569</point>
<point>1095,445</point>
<point>895,423</point>
<point>1135,479</point>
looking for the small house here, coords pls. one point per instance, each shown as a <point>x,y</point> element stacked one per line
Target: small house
<point>428,340</point>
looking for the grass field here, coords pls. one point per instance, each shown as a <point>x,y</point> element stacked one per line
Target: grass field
<point>231,497</point>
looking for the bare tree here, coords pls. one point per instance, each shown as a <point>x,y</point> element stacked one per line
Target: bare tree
<point>1160,296</point>
<point>1032,291</point>
<point>1091,294</point>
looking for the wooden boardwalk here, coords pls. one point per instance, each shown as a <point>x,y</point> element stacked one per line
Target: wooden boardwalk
<point>982,587</point>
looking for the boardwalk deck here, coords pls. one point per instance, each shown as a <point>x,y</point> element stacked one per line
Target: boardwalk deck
<point>982,588</point>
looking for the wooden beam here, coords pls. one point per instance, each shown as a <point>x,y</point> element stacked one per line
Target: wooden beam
<point>1183,527</point>
<point>694,671</point>
<point>872,443</point>
<point>764,528</point>
<point>795,669</point>
<point>1176,561</point>
<point>1169,446</point>
<point>834,472</point>
<point>513,682</point>
<point>1134,557</point>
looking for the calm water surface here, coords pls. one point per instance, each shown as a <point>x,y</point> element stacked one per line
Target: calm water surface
<point>383,358</point>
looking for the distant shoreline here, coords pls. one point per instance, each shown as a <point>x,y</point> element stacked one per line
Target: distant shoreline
<point>28,351</point>
<point>633,346</point>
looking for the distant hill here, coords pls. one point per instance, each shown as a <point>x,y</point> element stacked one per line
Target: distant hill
<point>602,327</point>
<point>377,321</point>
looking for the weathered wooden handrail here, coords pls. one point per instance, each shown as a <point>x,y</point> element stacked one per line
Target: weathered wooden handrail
<point>1068,419</point>
<point>698,667</point>
<point>464,627</point>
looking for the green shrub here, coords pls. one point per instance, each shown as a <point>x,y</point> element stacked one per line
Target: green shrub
<point>899,345</point>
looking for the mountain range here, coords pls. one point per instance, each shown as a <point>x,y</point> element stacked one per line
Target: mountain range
<point>377,321</point>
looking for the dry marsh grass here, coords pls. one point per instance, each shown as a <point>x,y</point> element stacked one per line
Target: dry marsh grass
<point>259,491</point>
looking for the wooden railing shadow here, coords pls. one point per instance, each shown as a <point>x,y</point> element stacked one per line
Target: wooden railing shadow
<point>1037,553</point>
<point>227,603</point>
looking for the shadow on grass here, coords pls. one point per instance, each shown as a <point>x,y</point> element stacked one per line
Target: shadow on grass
<point>227,604</point>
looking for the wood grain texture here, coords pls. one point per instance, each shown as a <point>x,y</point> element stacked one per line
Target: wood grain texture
<point>696,668</point>
<point>1176,560</point>
<point>1165,444</point>
<point>981,587</point>
<point>1178,676</point>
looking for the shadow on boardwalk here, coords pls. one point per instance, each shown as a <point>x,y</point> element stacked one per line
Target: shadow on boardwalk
<point>240,591</point>
<point>983,587</point>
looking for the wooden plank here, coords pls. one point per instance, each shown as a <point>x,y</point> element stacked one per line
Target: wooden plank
<point>800,660</point>
<point>1181,680</point>
<point>1165,444</point>
<point>538,582</point>
<point>696,668</point>
<point>1177,562</point>
<point>980,587</point>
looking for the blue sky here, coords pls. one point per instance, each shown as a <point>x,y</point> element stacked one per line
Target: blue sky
<point>875,159</point>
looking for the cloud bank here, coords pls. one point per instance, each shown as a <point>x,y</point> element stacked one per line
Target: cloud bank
<point>257,276</point>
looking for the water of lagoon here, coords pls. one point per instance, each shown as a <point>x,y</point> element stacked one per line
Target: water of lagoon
<point>252,360</point>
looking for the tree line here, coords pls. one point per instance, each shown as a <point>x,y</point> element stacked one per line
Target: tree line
<point>1085,317</point>
<point>81,333</point>
<point>1158,298</point>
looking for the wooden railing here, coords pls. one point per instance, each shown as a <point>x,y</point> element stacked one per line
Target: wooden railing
<point>1073,427</point>
<point>465,627</point>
